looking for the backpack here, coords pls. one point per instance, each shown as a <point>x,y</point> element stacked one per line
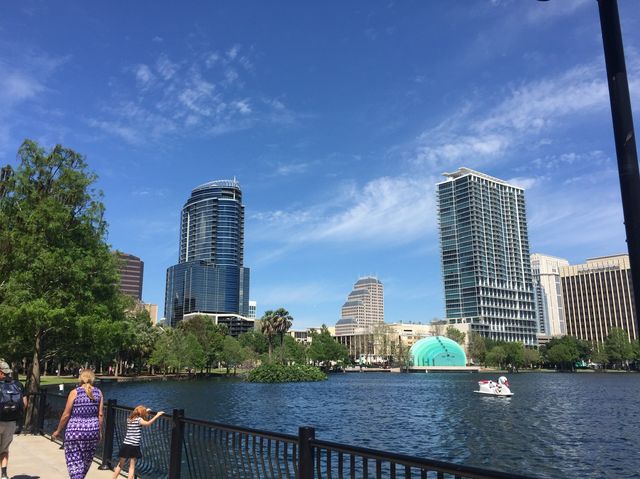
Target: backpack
<point>11,405</point>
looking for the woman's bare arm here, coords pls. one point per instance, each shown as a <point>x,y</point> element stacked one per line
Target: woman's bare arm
<point>65,415</point>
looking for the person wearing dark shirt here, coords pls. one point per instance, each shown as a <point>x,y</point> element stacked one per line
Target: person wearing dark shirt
<point>12,405</point>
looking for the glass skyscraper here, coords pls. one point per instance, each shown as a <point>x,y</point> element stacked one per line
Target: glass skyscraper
<point>485,256</point>
<point>210,276</point>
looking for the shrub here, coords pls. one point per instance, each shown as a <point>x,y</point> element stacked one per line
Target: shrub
<point>278,373</point>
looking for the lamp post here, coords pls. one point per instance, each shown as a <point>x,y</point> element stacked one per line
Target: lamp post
<point>624,138</point>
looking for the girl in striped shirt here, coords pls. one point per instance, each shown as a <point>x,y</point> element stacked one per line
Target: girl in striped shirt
<point>130,448</point>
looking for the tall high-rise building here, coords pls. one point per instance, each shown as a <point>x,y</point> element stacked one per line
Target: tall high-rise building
<point>485,256</point>
<point>598,296</point>
<point>210,276</point>
<point>548,294</point>
<point>131,269</point>
<point>364,308</point>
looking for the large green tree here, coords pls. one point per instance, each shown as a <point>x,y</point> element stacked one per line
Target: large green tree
<point>325,349</point>
<point>56,271</point>
<point>618,347</point>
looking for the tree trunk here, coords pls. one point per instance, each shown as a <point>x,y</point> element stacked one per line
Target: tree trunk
<point>33,385</point>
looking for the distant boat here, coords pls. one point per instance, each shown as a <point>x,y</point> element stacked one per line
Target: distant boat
<point>492,388</point>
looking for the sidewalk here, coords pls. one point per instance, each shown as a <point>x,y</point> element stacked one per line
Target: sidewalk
<point>36,457</point>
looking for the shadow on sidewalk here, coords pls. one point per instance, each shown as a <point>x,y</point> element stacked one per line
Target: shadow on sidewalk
<point>24,476</point>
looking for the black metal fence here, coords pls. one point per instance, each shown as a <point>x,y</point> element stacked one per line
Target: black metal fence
<point>181,447</point>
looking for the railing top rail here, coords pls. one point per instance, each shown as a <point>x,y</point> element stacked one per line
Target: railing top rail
<point>245,430</point>
<point>406,460</point>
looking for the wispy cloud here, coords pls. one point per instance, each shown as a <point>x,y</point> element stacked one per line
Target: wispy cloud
<point>202,95</point>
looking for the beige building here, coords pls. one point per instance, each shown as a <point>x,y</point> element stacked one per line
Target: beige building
<point>376,344</point>
<point>598,296</point>
<point>153,311</point>
<point>547,286</point>
<point>364,308</point>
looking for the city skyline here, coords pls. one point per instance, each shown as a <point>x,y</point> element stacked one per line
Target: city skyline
<point>338,121</point>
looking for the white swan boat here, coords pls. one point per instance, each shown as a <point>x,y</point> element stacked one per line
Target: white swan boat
<point>492,388</point>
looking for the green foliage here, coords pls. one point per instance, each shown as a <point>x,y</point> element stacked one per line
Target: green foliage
<point>294,351</point>
<point>564,352</point>
<point>324,348</point>
<point>210,336</point>
<point>280,373</point>
<point>255,341</point>
<point>276,324</point>
<point>531,357</point>
<point>59,278</point>
<point>496,357</point>
<point>618,347</point>
<point>233,354</point>
<point>477,347</point>
<point>455,334</point>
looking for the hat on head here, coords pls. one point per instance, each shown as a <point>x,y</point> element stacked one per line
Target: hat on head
<point>4,367</point>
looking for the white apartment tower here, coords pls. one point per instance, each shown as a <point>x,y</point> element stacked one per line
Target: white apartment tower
<point>547,285</point>
<point>363,309</point>
<point>485,256</point>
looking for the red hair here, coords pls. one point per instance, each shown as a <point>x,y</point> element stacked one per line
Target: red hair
<point>139,411</point>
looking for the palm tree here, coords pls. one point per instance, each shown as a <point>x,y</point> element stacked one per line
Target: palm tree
<point>268,328</point>
<point>282,322</point>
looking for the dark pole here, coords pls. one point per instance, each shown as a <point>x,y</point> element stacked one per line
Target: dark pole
<point>625,139</point>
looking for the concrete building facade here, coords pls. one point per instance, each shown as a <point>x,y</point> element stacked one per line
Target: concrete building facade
<point>598,296</point>
<point>485,256</point>
<point>131,270</point>
<point>547,286</point>
<point>363,309</point>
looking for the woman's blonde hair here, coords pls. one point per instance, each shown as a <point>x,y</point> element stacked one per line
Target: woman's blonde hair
<point>139,411</point>
<point>86,380</point>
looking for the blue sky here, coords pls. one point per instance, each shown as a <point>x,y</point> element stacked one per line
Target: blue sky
<point>338,118</point>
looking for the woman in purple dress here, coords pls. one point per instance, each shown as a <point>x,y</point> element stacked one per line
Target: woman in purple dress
<point>83,413</point>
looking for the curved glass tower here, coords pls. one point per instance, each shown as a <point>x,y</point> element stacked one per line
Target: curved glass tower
<point>210,276</point>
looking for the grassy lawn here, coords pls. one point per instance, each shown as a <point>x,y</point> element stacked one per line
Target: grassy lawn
<point>47,380</point>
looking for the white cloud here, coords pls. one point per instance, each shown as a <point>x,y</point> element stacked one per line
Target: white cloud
<point>202,95</point>
<point>165,67</point>
<point>388,210</point>
<point>144,76</point>
<point>17,86</point>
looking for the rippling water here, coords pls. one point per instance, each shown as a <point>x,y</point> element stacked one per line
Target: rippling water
<point>555,426</point>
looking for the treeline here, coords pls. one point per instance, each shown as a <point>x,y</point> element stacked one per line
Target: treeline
<point>565,353</point>
<point>198,345</point>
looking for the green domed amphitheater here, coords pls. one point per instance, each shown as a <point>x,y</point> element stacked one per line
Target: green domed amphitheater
<point>438,351</point>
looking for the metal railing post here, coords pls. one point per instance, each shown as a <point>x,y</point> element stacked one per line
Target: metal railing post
<point>177,434</point>
<point>305,460</point>
<point>42,404</point>
<point>109,429</point>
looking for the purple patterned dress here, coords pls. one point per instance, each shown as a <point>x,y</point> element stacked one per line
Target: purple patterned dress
<point>83,433</point>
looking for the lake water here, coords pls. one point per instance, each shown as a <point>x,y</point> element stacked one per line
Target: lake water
<point>555,426</point>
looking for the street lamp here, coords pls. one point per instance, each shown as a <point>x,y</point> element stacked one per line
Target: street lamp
<point>624,138</point>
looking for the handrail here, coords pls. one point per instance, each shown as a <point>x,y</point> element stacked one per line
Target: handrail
<point>413,461</point>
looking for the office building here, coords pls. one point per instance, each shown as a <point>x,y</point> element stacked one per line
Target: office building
<point>547,287</point>
<point>364,308</point>
<point>131,271</point>
<point>253,306</point>
<point>210,276</point>
<point>485,256</point>
<point>598,296</point>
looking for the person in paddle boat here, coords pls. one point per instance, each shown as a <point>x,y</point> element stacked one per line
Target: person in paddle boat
<point>501,388</point>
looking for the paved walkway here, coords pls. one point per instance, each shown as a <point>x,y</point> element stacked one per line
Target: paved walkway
<point>37,457</point>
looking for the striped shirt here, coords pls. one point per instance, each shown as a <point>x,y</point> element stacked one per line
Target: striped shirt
<point>132,437</point>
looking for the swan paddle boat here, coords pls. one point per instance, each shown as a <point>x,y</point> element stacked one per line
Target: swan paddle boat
<point>492,388</point>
